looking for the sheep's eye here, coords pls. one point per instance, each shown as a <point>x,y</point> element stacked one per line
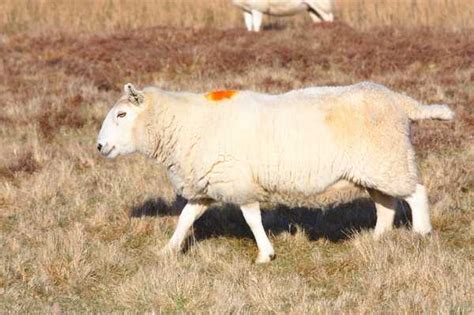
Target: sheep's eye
<point>121,114</point>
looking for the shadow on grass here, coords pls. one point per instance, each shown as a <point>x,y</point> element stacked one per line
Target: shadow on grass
<point>333,223</point>
<point>274,26</point>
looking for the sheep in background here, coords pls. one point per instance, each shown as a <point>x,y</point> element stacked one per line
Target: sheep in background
<point>319,10</point>
<point>245,148</point>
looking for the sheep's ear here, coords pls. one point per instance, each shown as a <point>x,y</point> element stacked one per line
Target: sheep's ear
<point>135,96</point>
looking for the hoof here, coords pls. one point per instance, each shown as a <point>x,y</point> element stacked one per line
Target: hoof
<point>424,231</point>
<point>263,259</point>
<point>168,251</point>
<point>377,235</point>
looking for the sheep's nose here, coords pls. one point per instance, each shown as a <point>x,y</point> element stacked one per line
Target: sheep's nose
<point>99,147</point>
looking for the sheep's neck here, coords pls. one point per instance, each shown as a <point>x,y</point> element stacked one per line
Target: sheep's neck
<point>160,133</point>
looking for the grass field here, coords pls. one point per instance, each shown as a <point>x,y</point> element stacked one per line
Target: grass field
<point>81,233</point>
<point>86,16</point>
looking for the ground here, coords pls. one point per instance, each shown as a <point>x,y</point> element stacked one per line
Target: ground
<point>82,233</point>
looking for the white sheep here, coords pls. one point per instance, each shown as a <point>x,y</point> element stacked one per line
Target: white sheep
<point>319,10</point>
<point>245,148</point>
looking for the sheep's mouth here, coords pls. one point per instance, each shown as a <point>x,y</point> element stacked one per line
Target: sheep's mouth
<point>106,154</point>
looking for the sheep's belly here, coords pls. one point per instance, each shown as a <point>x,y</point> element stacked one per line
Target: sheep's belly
<point>275,7</point>
<point>286,8</point>
<point>340,192</point>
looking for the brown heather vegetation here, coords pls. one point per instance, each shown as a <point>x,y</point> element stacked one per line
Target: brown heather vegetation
<point>79,233</point>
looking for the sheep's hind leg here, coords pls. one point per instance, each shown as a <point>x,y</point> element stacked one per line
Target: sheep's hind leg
<point>314,17</point>
<point>191,212</point>
<point>253,218</point>
<point>318,15</point>
<point>385,206</point>
<point>418,202</point>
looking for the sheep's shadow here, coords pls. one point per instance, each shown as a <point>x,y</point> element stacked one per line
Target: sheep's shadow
<point>333,223</point>
<point>274,26</point>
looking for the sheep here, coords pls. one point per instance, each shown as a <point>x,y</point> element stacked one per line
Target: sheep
<point>248,148</point>
<point>319,10</point>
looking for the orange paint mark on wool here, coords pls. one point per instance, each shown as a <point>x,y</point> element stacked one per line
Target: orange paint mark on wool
<point>220,95</point>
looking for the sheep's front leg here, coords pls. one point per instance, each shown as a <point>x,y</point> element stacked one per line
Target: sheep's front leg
<point>257,20</point>
<point>385,206</point>
<point>248,20</point>
<point>253,218</point>
<point>191,212</point>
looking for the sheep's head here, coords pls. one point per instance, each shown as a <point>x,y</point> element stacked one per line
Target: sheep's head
<point>117,134</point>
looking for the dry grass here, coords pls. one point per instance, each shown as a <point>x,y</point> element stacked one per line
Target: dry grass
<point>81,233</point>
<point>435,14</point>
<point>88,16</point>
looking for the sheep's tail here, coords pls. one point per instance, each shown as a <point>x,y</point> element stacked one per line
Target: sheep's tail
<point>417,111</point>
